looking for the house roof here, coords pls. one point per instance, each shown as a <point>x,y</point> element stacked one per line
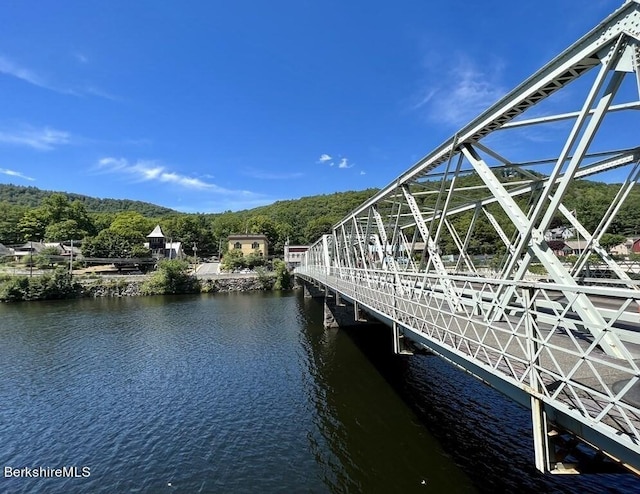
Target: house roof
<point>156,233</point>
<point>248,237</point>
<point>556,244</point>
<point>576,244</point>
<point>4,250</point>
<point>28,246</point>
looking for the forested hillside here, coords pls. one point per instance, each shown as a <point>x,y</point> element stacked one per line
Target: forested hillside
<point>110,228</point>
<point>32,197</point>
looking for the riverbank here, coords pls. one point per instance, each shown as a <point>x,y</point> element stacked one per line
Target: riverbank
<point>61,285</point>
<point>133,288</point>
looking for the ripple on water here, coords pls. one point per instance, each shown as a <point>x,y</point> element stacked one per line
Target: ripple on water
<point>242,393</point>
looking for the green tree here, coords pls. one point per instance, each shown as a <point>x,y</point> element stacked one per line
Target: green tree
<point>609,240</point>
<point>234,259</point>
<point>46,258</point>
<point>132,226</point>
<point>108,244</point>
<point>33,224</point>
<point>283,277</point>
<point>222,226</point>
<point>172,276</point>
<point>254,260</point>
<point>190,230</point>
<point>318,227</point>
<point>102,221</point>
<point>64,230</point>
<point>9,217</point>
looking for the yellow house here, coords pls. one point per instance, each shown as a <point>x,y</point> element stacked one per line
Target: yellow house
<point>248,244</point>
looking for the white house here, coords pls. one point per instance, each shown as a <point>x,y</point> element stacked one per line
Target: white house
<point>160,248</point>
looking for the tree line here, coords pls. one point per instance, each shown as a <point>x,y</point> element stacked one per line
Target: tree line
<point>60,217</point>
<point>121,233</point>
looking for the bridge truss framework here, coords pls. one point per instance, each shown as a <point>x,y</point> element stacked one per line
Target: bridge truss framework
<point>566,346</point>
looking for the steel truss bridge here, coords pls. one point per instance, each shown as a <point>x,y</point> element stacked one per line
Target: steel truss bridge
<point>564,344</point>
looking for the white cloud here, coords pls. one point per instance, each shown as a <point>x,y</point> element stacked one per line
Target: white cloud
<point>42,139</point>
<point>8,67</point>
<point>344,163</point>
<point>13,173</point>
<point>148,170</point>
<point>459,95</point>
<point>363,173</point>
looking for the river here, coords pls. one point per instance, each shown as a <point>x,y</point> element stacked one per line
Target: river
<point>240,393</point>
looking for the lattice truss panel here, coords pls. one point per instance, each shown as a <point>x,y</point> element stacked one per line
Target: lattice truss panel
<point>449,249</point>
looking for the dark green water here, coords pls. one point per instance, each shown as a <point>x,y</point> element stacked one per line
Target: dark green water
<point>247,393</point>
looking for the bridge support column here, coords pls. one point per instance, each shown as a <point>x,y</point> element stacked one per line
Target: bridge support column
<point>339,313</point>
<point>544,445</point>
<point>329,320</point>
<point>311,291</point>
<point>400,346</point>
<point>358,316</point>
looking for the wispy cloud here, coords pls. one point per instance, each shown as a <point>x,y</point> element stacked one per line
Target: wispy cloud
<point>81,57</point>
<point>457,96</point>
<point>10,68</point>
<point>203,196</point>
<point>44,139</point>
<point>150,170</point>
<point>13,173</point>
<point>13,69</point>
<point>363,173</point>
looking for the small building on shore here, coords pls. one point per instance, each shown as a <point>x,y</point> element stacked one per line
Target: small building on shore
<point>28,249</point>
<point>160,248</point>
<point>293,254</point>
<point>249,244</point>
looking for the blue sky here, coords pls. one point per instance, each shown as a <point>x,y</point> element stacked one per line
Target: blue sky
<point>206,106</point>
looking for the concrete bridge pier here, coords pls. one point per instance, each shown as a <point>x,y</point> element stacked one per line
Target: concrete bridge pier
<point>401,345</point>
<point>338,313</point>
<point>312,291</point>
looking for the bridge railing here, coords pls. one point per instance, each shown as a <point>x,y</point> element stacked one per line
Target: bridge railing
<point>535,342</point>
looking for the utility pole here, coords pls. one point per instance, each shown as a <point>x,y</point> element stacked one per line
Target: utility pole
<point>195,254</point>
<point>71,260</point>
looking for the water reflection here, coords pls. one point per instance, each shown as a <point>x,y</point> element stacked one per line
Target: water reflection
<point>377,443</point>
<point>487,434</point>
<point>244,393</point>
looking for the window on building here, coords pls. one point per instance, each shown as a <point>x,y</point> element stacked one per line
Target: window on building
<point>255,245</point>
<point>237,245</point>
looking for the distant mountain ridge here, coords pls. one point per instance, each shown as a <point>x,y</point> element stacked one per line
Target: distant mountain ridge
<point>19,195</point>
